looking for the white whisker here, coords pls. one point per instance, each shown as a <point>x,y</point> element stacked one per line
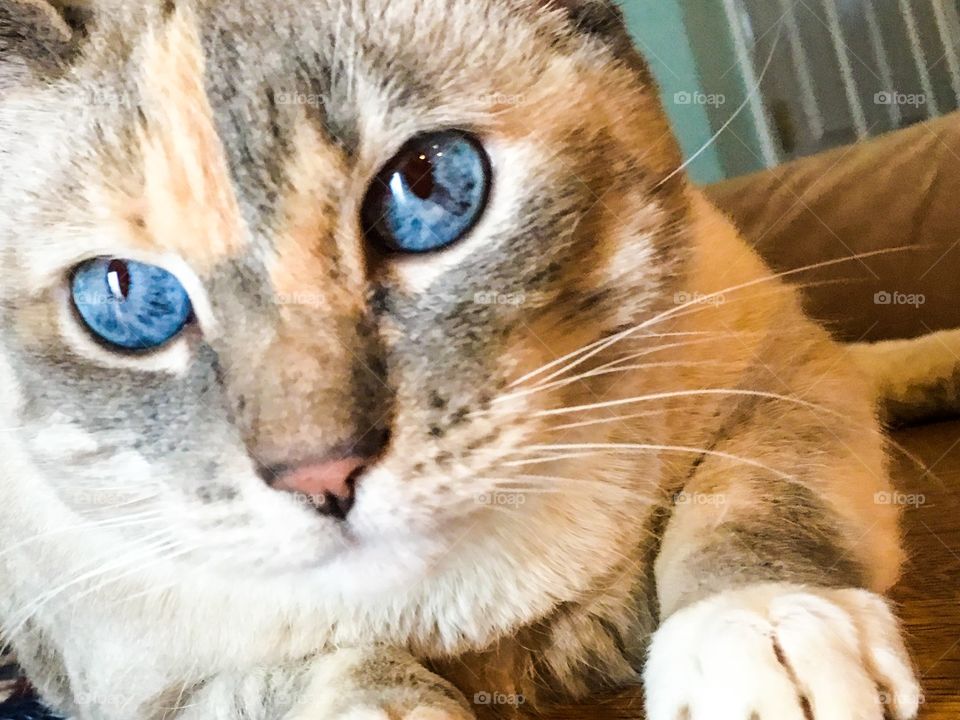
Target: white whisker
<point>676,394</point>
<point>21,618</point>
<point>697,304</point>
<point>615,418</point>
<point>645,448</point>
<point>108,523</point>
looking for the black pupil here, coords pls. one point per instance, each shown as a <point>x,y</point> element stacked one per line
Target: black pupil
<point>120,273</point>
<point>417,173</point>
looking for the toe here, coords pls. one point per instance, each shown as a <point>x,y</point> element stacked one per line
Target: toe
<point>885,653</point>
<point>746,679</point>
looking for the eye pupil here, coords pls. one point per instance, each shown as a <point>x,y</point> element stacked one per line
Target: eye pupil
<point>417,173</point>
<point>118,278</point>
<point>430,196</point>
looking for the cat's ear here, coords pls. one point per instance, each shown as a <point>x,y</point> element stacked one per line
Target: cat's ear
<point>38,37</point>
<point>602,19</point>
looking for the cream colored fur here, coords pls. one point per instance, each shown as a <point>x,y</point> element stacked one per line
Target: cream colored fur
<point>688,466</point>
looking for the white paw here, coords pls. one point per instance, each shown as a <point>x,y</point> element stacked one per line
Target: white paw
<point>399,710</point>
<point>429,713</point>
<point>365,713</point>
<point>779,652</point>
<point>397,713</point>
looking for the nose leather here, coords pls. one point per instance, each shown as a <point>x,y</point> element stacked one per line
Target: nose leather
<point>330,484</point>
<point>321,479</point>
<point>329,487</point>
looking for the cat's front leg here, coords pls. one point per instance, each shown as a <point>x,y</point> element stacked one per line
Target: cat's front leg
<point>369,684</point>
<point>378,685</point>
<point>763,618</point>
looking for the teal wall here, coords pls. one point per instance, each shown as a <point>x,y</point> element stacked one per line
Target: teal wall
<point>706,29</point>
<point>659,30</point>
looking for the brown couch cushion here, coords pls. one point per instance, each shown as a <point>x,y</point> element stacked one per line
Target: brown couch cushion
<point>899,191</point>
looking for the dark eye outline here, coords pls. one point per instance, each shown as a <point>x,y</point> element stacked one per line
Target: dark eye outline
<point>103,342</point>
<point>388,246</point>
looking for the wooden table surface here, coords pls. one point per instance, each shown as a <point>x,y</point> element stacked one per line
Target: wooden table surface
<point>929,595</point>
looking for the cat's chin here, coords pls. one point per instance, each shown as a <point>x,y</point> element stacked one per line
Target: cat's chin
<point>378,568</point>
<point>357,566</point>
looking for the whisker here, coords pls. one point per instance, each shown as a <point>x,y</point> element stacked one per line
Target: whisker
<point>184,550</point>
<point>611,419</point>
<point>645,448</point>
<point>23,616</point>
<point>108,523</point>
<point>599,346</point>
<point>607,368</point>
<point>677,394</point>
<point>751,97</point>
<point>548,483</point>
<point>568,356</point>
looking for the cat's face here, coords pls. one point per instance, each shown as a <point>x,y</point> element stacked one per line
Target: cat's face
<point>235,145</point>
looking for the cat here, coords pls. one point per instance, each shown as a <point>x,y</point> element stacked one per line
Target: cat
<point>375,359</point>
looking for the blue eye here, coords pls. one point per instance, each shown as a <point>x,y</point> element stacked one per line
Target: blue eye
<point>430,196</point>
<point>129,305</point>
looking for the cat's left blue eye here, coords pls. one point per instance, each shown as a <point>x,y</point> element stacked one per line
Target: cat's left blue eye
<point>128,305</point>
<point>430,196</point>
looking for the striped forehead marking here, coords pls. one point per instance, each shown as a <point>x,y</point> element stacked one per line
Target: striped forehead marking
<point>189,205</point>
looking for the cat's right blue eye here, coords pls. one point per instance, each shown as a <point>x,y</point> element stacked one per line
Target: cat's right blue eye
<point>430,196</point>
<point>130,306</point>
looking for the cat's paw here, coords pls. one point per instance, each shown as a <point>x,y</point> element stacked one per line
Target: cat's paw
<point>778,652</point>
<point>421,712</point>
<point>378,684</point>
<point>391,706</point>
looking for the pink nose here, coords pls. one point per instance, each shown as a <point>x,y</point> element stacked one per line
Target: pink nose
<point>330,487</point>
